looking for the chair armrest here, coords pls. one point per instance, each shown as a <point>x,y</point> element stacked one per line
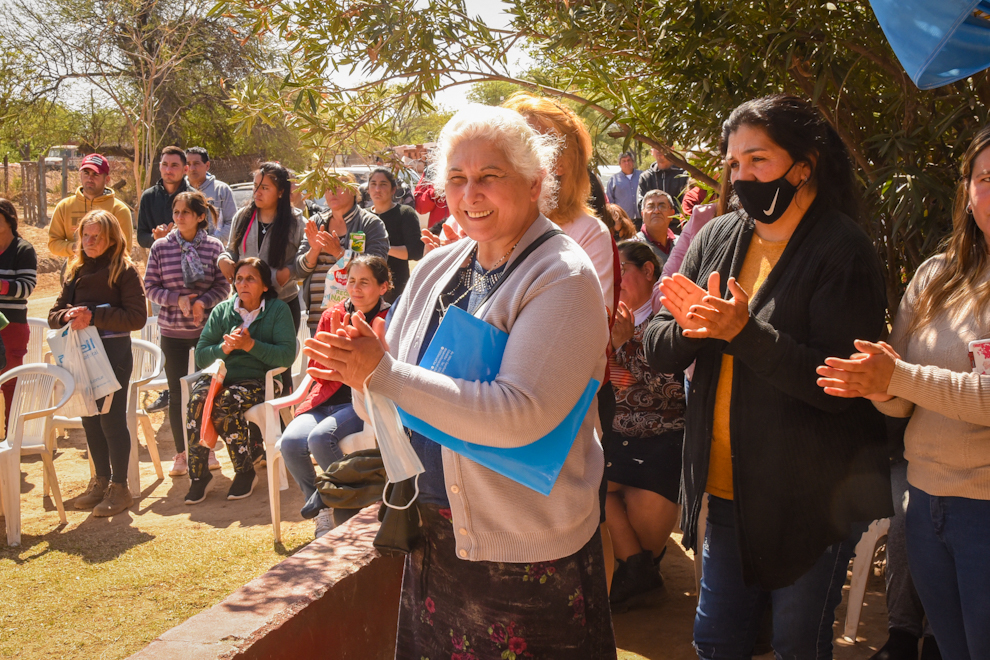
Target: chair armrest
<point>270,382</point>
<point>68,387</point>
<point>296,397</point>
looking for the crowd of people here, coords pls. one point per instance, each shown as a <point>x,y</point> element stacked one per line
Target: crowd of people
<point>741,359</point>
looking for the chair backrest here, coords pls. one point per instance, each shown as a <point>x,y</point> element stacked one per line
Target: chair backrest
<point>35,385</point>
<point>37,343</point>
<point>147,360</point>
<point>151,332</point>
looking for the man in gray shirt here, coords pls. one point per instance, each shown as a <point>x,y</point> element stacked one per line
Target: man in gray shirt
<point>198,177</point>
<point>621,188</point>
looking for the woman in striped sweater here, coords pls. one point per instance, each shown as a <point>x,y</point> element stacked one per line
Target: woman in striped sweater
<point>18,276</point>
<point>184,278</point>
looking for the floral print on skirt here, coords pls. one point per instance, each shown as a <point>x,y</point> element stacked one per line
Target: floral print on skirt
<point>229,406</point>
<point>453,609</point>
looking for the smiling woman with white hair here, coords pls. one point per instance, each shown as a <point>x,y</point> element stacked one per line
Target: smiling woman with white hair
<point>499,567</point>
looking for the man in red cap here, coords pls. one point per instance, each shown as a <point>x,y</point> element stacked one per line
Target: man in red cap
<point>91,194</point>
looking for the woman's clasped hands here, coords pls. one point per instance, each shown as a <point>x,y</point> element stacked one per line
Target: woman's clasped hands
<point>237,339</point>
<point>351,351</point>
<point>865,374</point>
<point>705,314</point>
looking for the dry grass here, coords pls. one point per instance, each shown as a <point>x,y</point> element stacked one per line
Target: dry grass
<point>104,588</point>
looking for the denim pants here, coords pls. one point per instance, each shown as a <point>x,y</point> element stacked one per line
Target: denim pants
<point>729,613</point>
<point>948,543</point>
<point>317,432</point>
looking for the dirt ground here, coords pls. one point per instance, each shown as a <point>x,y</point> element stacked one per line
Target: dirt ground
<point>104,588</point>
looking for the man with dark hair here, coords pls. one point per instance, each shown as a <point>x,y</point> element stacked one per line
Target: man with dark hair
<point>92,193</point>
<point>658,210</point>
<point>155,216</point>
<point>623,185</point>
<point>219,193</point>
<point>662,175</point>
<point>155,209</point>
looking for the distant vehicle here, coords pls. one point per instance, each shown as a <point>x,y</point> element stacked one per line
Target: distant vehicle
<point>69,151</point>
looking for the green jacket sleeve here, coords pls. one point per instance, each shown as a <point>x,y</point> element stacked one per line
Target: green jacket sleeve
<point>280,351</point>
<point>208,349</point>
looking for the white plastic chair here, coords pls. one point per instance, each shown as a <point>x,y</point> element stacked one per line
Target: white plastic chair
<point>37,350</point>
<point>30,413</point>
<point>300,363</point>
<point>152,333</point>
<point>862,564</point>
<point>258,416</point>
<point>148,362</point>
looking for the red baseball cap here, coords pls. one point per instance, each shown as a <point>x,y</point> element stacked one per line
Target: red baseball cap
<point>97,163</point>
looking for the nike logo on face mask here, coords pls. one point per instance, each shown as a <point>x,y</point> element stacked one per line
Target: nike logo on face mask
<point>769,211</point>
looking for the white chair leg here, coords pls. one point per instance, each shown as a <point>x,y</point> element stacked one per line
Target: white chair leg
<point>274,497</point>
<point>49,468</point>
<point>862,564</point>
<point>10,484</point>
<point>152,442</point>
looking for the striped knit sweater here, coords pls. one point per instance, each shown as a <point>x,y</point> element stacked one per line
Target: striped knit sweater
<point>164,285</point>
<point>18,277</point>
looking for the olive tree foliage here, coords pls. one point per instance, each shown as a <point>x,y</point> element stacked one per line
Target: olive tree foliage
<point>665,74</point>
<point>151,60</point>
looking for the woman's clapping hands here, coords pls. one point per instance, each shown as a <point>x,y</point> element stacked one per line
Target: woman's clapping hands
<point>351,350</point>
<point>705,314</point>
<point>865,374</point>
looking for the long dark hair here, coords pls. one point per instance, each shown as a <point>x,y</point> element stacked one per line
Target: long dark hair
<point>282,226</point>
<point>388,175</point>
<point>796,126</point>
<point>9,214</point>
<point>966,255</point>
<point>196,202</point>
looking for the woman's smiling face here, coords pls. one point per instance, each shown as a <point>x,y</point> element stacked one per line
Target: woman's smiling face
<point>488,198</point>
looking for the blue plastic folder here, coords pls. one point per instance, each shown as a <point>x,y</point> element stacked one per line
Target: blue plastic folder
<point>467,348</point>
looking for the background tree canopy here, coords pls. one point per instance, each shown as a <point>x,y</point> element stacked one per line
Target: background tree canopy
<point>664,74</point>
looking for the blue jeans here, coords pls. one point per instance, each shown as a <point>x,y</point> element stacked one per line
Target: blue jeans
<point>948,543</point>
<point>318,432</point>
<point>729,613</point>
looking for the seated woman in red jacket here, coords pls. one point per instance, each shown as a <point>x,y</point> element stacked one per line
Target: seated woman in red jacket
<point>327,416</point>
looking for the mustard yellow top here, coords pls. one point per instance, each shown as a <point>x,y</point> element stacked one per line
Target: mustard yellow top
<point>760,259</point>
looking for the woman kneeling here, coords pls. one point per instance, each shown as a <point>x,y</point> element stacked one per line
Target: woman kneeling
<point>252,333</point>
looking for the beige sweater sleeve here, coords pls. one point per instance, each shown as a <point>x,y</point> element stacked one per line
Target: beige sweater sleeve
<point>964,396</point>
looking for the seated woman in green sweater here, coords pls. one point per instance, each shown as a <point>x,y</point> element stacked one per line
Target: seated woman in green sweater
<point>252,333</point>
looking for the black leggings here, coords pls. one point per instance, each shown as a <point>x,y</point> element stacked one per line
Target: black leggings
<point>107,435</point>
<point>176,352</point>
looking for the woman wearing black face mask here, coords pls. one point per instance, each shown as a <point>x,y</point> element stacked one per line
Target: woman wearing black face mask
<point>765,292</point>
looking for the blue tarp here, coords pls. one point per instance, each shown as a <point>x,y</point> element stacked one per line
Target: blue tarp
<point>937,41</point>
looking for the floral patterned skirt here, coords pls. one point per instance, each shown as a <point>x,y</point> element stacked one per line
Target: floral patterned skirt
<point>453,609</point>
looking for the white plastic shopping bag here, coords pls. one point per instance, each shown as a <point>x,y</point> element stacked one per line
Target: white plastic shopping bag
<point>82,354</point>
<point>335,284</point>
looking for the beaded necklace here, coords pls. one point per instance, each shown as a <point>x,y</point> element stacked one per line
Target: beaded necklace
<point>475,278</point>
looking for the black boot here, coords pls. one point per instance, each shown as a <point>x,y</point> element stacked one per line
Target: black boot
<point>901,645</point>
<point>635,583</point>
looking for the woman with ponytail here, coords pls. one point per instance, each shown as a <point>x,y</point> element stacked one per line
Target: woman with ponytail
<point>184,278</point>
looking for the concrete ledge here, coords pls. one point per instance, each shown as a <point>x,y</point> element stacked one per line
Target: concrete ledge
<point>337,598</point>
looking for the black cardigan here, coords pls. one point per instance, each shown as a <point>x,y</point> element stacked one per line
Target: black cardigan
<point>805,464</point>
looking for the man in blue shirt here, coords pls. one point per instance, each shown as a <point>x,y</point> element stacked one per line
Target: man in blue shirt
<point>622,187</point>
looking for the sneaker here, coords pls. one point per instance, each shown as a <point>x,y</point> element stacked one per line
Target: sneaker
<point>324,522</point>
<point>212,461</point>
<point>179,466</point>
<point>117,500</point>
<point>197,489</point>
<point>95,492</point>
<point>243,485</point>
<point>161,403</point>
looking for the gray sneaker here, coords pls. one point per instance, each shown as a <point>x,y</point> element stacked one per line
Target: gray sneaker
<point>324,522</point>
